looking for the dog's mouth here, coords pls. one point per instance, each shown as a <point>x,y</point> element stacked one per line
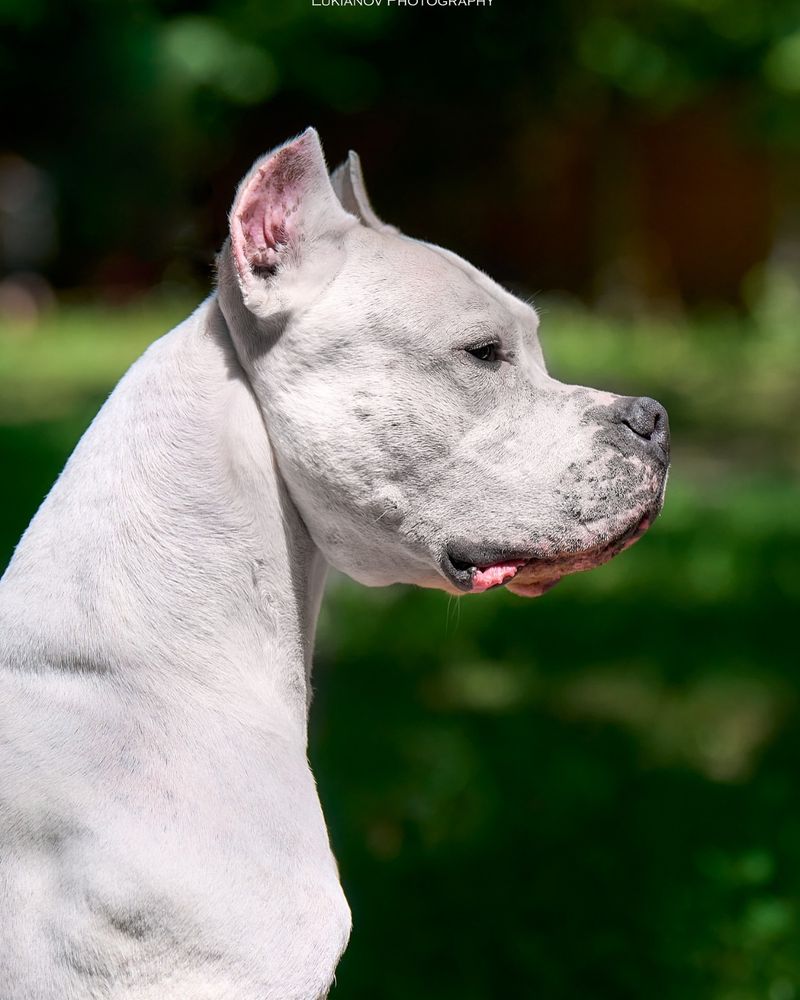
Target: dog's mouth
<point>531,574</point>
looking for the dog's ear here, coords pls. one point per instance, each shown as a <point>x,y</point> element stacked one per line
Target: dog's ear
<point>348,183</point>
<point>285,213</point>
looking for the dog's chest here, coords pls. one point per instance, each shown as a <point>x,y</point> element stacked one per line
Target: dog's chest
<point>182,867</point>
<point>236,877</point>
<point>240,924</point>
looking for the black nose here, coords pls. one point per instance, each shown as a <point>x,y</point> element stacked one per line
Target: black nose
<point>648,423</point>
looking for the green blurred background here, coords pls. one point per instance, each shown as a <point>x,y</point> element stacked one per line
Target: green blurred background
<point>595,794</point>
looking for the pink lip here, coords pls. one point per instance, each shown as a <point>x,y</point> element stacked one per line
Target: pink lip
<point>542,574</point>
<point>485,577</point>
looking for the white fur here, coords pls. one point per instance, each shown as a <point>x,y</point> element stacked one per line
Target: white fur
<point>160,832</point>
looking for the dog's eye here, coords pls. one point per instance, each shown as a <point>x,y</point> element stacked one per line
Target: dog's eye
<point>486,352</point>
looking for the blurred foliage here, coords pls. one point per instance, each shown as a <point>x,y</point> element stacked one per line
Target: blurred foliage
<point>146,112</point>
<point>592,794</point>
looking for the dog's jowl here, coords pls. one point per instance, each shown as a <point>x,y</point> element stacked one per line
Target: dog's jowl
<point>347,396</point>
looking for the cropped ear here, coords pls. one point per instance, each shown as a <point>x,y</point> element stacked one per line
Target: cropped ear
<point>285,214</point>
<point>348,183</point>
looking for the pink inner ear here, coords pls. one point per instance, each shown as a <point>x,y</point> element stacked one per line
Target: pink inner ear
<point>263,225</point>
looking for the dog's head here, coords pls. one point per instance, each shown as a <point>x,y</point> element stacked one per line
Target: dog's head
<point>408,402</point>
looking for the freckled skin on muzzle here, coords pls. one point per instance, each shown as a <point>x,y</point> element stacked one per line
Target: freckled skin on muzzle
<point>600,505</point>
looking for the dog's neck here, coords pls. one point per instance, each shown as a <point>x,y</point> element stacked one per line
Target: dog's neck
<point>169,556</point>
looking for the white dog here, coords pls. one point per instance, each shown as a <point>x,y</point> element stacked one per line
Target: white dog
<point>347,396</point>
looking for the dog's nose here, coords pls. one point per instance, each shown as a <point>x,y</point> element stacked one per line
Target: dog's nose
<point>648,423</point>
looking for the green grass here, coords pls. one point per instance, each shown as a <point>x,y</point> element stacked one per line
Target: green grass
<point>74,357</point>
<point>595,794</point>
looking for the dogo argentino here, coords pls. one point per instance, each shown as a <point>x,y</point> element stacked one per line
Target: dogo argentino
<point>347,396</point>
